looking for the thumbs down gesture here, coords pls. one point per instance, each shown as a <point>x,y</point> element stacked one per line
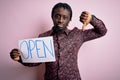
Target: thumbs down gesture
<point>85,18</point>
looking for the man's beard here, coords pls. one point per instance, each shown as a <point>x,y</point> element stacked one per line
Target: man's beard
<point>56,29</point>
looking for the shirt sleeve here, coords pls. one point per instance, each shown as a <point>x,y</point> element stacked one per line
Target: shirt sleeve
<point>99,30</point>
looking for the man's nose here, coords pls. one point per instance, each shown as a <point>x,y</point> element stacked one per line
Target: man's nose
<point>60,20</point>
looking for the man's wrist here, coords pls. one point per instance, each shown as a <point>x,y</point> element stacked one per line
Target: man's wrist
<point>92,18</point>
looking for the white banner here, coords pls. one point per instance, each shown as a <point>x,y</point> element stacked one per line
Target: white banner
<point>37,50</point>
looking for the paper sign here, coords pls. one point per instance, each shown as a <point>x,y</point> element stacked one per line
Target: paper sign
<point>37,50</point>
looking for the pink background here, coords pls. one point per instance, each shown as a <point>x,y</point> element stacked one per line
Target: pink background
<point>20,19</point>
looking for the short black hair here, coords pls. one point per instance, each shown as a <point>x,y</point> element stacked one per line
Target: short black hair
<point>65,6</point>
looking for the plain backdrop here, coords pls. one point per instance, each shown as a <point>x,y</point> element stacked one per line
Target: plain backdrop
<point>98,59</point>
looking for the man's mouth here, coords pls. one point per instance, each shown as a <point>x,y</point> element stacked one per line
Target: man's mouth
<point>60,25</point>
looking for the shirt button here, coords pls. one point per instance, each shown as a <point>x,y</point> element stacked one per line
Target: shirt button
<point>59,50</point>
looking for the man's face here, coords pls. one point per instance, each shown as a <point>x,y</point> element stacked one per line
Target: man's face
<point>61,18</point>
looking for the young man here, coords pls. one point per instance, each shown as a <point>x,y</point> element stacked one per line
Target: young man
<point>66,42</point>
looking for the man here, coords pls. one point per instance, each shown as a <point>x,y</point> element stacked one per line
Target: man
<point>66,42</point>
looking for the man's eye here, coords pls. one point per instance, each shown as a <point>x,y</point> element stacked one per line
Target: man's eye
<point>57,16</point>
<point>65,17</point>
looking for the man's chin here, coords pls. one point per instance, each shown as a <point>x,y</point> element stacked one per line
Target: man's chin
<point>61,28</point>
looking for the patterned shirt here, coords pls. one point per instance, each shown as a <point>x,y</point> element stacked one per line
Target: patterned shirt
<point>67,45</point>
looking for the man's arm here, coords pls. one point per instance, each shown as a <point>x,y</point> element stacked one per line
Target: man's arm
<point>15,54</point>
<point>99,29</point>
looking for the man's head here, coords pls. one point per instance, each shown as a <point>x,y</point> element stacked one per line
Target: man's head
<point>61,15</point>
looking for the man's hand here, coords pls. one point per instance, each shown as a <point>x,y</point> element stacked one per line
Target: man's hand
<point>85,18</point>
<point>15,54</point>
